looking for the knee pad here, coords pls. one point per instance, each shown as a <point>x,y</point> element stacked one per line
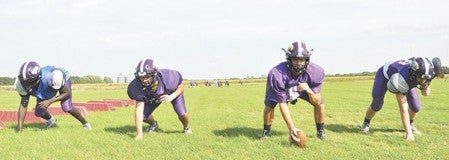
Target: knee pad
<point>376,105</point>
<point>415,109</point>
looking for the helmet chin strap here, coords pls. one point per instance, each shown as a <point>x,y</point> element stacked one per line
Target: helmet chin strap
<point>146,84</point>
<point>421,85</point>
<point>152,85</point>
<point>296,70</point>
<point>31,86</point>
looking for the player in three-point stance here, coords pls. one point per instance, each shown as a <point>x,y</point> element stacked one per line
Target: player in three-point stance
<point>403,78</point>
<point>44,83</point>
<point>150,88</point>
<point>297,77</point>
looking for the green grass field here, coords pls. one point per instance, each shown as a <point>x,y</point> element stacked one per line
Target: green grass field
<point>227,122</point>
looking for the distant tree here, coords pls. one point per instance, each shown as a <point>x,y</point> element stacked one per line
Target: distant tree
<point>86,79</point>
<point>7,80</point>
<point>94,79</point>
<point>108,80</point>
<point>366,73</point>
<point>445,69</point>
<point>76,80</point>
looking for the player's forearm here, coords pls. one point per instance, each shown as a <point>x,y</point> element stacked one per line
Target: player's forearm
<point>285,112</point>
<point>64,93</point>
<point>425,91</point>
<point>139,118</point>
<point>21,117</point>
<point>178,91</point>
<point>403,109</point>
<point>314,98</point>
<point>405,118</point>
<point>56,99</point>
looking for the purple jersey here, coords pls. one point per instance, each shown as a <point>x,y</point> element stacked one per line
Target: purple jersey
<point>402,67</point>
<point>402,83</point>
<point>169,80</point>
<point>279,80</point>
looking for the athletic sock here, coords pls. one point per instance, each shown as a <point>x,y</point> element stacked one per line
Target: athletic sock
<point>367,120</point>
<point>46,116</point>
<point>319,126</point>
<point>267,127</point>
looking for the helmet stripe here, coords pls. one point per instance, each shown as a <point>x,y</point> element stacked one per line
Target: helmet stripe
<point>24,70</point>
<point>142,64</point>
<point>426,65</point>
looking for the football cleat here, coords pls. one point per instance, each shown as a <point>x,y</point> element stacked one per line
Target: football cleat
<point>52,121</point>
<point>321,134</point>
<point>152,127</point>
<point>87,126</point>
<point>365,128</point>
<point>414,129</point>
<point>265,135</point>
<point>188,130</point>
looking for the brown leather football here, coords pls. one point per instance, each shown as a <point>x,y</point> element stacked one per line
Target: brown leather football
<point>298,138</point>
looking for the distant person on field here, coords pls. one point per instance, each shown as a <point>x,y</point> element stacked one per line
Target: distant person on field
<point>150,88</point>
<point>227,83</point>
<point>403,78</point>
<point>296,77</point>
<point>44,83</point>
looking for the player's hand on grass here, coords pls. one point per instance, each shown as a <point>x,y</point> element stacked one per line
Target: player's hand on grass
<point>410,137</point>
<point>138,137</point>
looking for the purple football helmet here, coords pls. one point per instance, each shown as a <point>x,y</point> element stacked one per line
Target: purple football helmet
<point>29,74</point>
<point>300,51</point>
<point>146,68</point>
<point>423,68</point>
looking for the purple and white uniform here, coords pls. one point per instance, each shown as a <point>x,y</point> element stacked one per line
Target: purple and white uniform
<point>169,80</point>
<point>45,89</point>
<point>280,80</point>
<point>395,77</point>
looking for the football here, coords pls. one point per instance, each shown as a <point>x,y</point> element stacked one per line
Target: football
<point>298,138</point>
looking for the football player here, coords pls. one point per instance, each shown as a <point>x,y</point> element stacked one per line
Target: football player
<point>150,88</point>
<point>44,83</point>
<point>296,77</point>
<point>403,78</point>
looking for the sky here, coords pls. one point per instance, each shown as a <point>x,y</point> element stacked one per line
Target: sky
<point>218,39</point>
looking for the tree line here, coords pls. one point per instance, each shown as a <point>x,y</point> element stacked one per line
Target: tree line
<point>97,79</point>
<point>75,80</point>
<point>444,68</point>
